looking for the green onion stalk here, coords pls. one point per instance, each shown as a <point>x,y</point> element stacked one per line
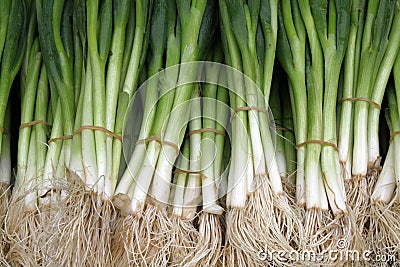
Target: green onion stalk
<point>5,178</point>
<point>226,158</point>
<point>291,55</point>
<point>130,75</point>
<point>382,234</point>
<point>222,142</point>
<point>350,74</point>
<point>5,167</point>
<point>54,25</point>
<point>185,235</point>
<point>288,137</point>
<point>380,84</point>
<point>5,156</point>
<point>131,132</point>
<point>396,76</point>
<point>316,206</point>
<point>162,27</point>
<point>5,174</point>
<point>191,197</point>
<point>255,191</point>
<point>328,26</point>
<point>382,76</point>
<point>346,126</point>
<point>275,105</point>
<point>192,193</point>
<point>280,105</point>
<point>208,250</point>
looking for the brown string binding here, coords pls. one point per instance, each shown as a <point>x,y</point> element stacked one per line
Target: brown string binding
<point>376,105</point>
<point>78,131</point>
<point>178,171</point>
<point>393,135</point>
<point>202,130</point>
<point>64,137</point>
<point>159,140</point>
<point>29,124</point>
<point>314,141</point>
<point>5,131</point>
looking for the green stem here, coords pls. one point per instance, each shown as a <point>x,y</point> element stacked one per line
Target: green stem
<point>208,139</point>
<point>288,135</point>
<point>291,54</point>
<point>88,137</point>
<point>5,156</point>
<point>180,184</point>
<point>42,98</point>
<point>53,153</point>
<point>174,131</point>
<point>13,52</point>
<point>98,64</point>
<point>113,79</point>
<point>237,184</point>
<point>395,122</point>
<point>275,106</point>
<point>27,109</point>
<point>131,80</point>
<point>379,87</point>
<point>373,39</point>
<point>351,62</point>
<point>4,16</point>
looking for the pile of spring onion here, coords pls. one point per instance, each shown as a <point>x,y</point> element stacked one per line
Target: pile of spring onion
<point>199,132</point>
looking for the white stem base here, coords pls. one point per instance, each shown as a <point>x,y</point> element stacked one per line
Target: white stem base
<point>145,177</point>
<point>386,183</point>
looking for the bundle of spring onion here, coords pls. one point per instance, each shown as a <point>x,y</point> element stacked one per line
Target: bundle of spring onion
<point>31,239</point>
<point>383,227</point>
<point>383,235</point>
<point>199,133</point>
<point>208,134</point>
<point>144,189</point>
<point>260,213</point>
<point>327,26</point>
<point>13,30</point>
<point>95,50</point>
<point>371,53</point>
<point>376,58</point>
